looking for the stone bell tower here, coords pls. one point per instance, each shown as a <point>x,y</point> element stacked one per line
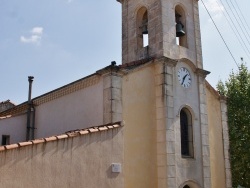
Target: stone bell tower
<point>149,30</point>
<point>168,31</point>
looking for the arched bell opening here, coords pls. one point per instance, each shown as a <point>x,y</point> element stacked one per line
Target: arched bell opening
<point>142,32</point>
<point>180,21</point>
<point>144,28</point>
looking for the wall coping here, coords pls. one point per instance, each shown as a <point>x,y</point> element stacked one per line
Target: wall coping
<point>68,134</point>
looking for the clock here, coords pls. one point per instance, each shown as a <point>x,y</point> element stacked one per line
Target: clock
<point>184,77</point>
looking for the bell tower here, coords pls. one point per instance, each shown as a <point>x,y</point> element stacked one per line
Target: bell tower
<point>161,28</point>
<point>168,31</point>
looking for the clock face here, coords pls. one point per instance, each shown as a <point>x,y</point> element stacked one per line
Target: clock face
<point>184,77</point>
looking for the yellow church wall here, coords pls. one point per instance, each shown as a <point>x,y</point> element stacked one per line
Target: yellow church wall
<point>138,96</point>
<point>215,140</point>
<point>77,161</point>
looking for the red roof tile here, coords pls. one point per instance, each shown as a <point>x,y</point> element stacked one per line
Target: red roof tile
<point>68,134</point>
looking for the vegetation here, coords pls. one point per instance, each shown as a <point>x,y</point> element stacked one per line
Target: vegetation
<point>237,89</point>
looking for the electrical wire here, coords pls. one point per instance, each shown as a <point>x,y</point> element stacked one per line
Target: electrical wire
<point>245,29</point>
<point>220,34</point>
<point>234,29</point>
<point>237,21</point>
<point>237,5</point>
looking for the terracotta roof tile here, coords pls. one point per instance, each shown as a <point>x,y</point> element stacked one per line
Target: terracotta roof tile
<point>25,143</point>
<point>103,128</point>
<point>68,134</point>
<point>7,101</point>
<point>115,125</point>
<point>73,134</point>
<point>62,136</point>
<point>92,130</point>
<point>2,148</point>
<point>12,146</point>
<point>83,132</point>
<point>52,138</point>
<point>110,127</point>
<point>38,141</point>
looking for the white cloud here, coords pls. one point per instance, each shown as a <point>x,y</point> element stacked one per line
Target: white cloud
<point>69,1</point>
<point>35,37</point>
<point>37,31</point>
<point>32,39</point>
<point>215,8</point>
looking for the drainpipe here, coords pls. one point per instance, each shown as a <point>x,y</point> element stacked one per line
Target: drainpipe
<point>33,123</point>
<point>28,136</point>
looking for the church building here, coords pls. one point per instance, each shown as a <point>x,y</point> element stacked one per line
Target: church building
<point>151,122</point>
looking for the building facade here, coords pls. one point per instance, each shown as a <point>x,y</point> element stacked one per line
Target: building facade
<point>175,130</point>
<point>5,105</point>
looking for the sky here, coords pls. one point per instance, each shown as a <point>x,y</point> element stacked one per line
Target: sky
<point>60,41</point>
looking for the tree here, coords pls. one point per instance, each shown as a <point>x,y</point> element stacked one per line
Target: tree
<point>237,89</point>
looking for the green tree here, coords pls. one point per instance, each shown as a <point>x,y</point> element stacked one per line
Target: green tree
<point>237,89</point>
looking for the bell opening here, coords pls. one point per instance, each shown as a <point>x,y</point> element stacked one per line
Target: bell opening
<point>145,25</point>
<point>145,40</point>
<point>179,26</point>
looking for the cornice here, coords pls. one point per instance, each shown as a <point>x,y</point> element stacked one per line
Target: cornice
<point>52,95</point>
<point>112,69</point>
<point>202,72</point>
<point>70,88</point>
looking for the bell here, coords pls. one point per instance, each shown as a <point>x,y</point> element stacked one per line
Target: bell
<point>144,30</point>
<point>145,27</point>
<point>179,30</point>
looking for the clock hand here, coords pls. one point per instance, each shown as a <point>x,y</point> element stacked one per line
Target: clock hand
<point>183,79</point>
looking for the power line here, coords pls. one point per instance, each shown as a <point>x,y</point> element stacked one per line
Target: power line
<point>237,21</point>
<point>239,38</point>
<point>235,27</point>
<point>220,34</point>
<point>242,14</point>
<point>246,31</point>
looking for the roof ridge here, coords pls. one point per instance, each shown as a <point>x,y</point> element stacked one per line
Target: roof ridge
<point>137,62</point>
<point>68,134</point>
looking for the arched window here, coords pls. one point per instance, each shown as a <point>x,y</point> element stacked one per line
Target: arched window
<point>142,32</point>
<point>180,20</point>
<point>186,186</point>
<point>186,133</point>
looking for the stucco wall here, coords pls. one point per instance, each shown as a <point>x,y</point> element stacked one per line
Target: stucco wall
<point>77,110</point>
<point>215,140</point>
<point>138,97</point>
<point>81,161</point>
<point>15,127</point>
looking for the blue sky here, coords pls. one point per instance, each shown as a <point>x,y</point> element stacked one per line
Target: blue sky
<point>60,41</point>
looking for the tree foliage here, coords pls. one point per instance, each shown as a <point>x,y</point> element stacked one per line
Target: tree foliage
<point>237,89</point>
